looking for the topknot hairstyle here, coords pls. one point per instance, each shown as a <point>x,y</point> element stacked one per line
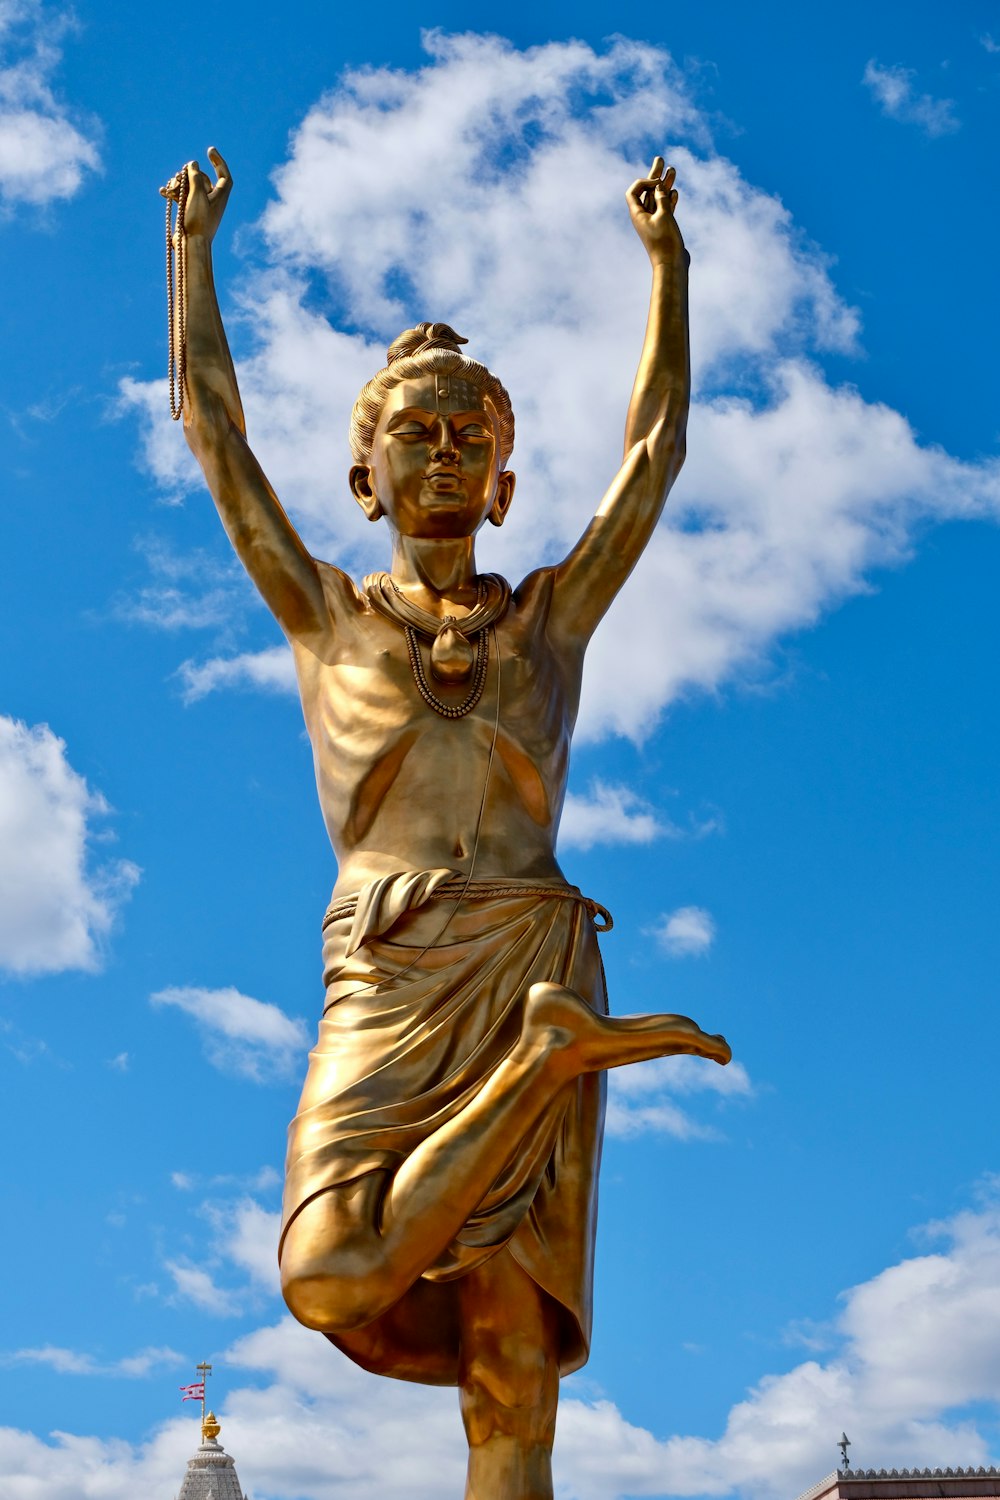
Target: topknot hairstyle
<point>428,349</point>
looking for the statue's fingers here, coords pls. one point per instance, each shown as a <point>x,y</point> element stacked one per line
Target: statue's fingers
<point>666,196</point>
<point>222,171</point>
<point>222,188</point>
<point>639,194</point>
<point>196,177</point>
<point>656,170</point>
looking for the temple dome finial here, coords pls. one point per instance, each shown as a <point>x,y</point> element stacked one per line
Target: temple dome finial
<point>211,1473</point>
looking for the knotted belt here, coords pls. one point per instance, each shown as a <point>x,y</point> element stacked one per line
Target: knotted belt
<point>380,904</point>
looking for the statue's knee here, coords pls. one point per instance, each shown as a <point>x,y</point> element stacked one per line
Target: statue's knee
<point>545,989</point>
<point>511,1374</point>
<point>333,1303</point>
<point>336,1275</point>
<point>334,1288</point>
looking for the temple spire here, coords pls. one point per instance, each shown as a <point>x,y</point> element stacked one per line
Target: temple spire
<point>211,1472</point>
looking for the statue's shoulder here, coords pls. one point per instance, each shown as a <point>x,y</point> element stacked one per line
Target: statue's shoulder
<point>536,610</point>
<point>343,597</point>
<point>532,598</point>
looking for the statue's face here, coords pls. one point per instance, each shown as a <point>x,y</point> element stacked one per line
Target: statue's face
<point>435,467</point>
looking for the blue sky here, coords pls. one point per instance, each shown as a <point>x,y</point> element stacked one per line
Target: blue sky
<point>784,784</point>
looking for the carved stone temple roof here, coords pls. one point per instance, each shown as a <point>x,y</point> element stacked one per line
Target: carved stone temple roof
<point>907,1484</point>
<point>211,1473</point>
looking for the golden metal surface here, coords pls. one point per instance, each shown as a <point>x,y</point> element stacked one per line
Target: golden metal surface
<point>441,1185</point>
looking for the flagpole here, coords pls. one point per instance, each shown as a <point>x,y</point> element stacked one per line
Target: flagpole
<point>204,1371</point>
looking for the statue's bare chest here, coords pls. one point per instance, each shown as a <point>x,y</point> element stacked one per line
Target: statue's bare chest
<point>376,737</point>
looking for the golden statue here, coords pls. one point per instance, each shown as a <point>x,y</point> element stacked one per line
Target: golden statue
<point>441,1184</point>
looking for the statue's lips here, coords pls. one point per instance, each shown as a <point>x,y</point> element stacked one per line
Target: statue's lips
<point>445,482</point>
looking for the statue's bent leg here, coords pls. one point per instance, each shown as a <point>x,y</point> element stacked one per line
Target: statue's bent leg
<point>509,1377</point>
<point>353,1251</point>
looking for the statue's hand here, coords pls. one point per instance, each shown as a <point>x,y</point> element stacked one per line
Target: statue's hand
<point>206,201</point>
<point>651,202</point>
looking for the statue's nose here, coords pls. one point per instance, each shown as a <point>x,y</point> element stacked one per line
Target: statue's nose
<point>444,445</point>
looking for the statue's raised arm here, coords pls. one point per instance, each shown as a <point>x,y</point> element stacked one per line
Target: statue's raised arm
<point>264,538</point>
<point>589,578</point>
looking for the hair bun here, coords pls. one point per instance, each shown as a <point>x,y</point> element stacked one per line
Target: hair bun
<point>424,336</point>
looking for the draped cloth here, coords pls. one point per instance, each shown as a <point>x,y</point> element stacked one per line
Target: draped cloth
<point>425,982</point>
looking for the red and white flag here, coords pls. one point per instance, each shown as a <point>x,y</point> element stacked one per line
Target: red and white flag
<point>195,1392</point>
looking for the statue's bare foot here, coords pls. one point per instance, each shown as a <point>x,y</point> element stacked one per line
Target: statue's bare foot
<point>557,1019</point>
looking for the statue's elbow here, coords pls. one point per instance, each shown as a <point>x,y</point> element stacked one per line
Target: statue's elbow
<point>206,422</point>
<point>666,445</point>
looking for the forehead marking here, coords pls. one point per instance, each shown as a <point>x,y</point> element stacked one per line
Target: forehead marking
<point>447,392</point>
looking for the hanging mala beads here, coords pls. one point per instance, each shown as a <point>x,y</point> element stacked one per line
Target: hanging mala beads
<point>446,710</point>
<point>458,648</point>
<point>176,192</point>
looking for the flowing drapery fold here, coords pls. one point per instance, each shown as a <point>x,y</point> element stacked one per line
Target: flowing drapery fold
<point>424,995</point>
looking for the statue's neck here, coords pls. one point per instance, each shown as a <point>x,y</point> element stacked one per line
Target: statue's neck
<point>433,570</point>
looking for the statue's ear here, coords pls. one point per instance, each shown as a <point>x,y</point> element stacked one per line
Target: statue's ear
<point>504,495</point>
<point>360,480</point>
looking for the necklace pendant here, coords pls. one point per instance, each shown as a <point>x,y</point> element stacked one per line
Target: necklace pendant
<point>452,656</point>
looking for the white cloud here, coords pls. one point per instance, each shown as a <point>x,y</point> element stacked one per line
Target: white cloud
<point>263,1180</point>
<point>247,1235</point>
<point>791,495</point>
<point>188,591</point>
<point>243,1237</point>
<point>794,503</point>
<point>69,1467</point>
<point>916,1347</point>
<point>241,1035</point>
<point>271,669</point>
<point>989,43</point>
<point>26,1048</point>
<point>642,1100</point>
<point>686,931</point>
<point>893,89</point>
<point>57,904</point>
<point>166,453</point>
<point>627,1119</point>
<point>196,1285</point>
<point>75,1362</point>
<point>43,154</point>
<point>609,814</point>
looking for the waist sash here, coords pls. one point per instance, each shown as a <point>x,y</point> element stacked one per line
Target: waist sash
<point>380,904</point>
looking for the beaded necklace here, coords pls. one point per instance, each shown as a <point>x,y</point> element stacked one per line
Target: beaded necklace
<point>453,657</point>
